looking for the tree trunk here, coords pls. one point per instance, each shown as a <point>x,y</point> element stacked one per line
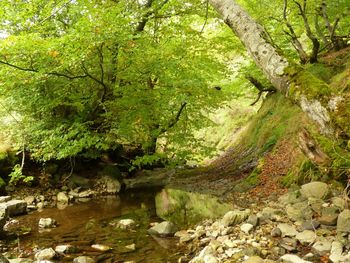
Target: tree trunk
<point>310,93</point>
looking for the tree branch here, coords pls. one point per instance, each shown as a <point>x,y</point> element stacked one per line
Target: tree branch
<point>257,84</point>
<point>311,36</point>
<point>53,73</point>
<point>296,43</point>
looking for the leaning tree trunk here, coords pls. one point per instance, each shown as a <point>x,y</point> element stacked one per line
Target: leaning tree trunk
<point>310,93</point>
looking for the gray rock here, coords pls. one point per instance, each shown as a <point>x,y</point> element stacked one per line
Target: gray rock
<point>316,204</point>
<point>318,190</point>
<point>291,198</point>
<point>289,258</point>
<point>163,229</point>
<point>322,247</point>
<point>246,228</point>
<point>62,198</point>
<point>269,213</point>
<point>253,220</point>
<point>299,211</point>
<point>289,244</point>
<point>276,232</point>
<point>336,252</point>
<point>309,225</point>
<point>339,202</point>
<point>112,185</point>
<point>306,237</point>
<point>83,259</point>
<point>47,223</point>
<point>343,223</point>
<point>210,259</point>
<point>287,230</point>
<point>126,223</point>
<point>234,217</point>
<point>45,254</point>
<point>328,219</point>
<point>29,199</point>
<point>86,194</point>
<point>15,207</point>
<point>61,249</point>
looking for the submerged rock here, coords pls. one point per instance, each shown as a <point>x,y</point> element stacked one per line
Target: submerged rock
<point>47,223</point>
<point>126,223</point>
<point>163,229</point>
<point>83,259</point>
<point>45,254</point>
<point>100,247</point>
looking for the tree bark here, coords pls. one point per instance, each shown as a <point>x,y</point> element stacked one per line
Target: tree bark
<point>290,80</point>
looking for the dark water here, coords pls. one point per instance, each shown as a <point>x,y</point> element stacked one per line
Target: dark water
<point>93,222</point>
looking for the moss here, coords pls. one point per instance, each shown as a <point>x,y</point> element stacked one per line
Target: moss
<point>321,71</point>
<point>341,115</point>
<point>277,118</point>
<point>306,83</point>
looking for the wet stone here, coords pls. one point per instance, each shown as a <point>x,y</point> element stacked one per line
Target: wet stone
<point>47,223</point>
<point>45,254</point>
<point>83,259</point>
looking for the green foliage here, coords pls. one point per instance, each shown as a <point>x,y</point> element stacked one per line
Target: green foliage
<point>17,175</point>
<point>84,77</point>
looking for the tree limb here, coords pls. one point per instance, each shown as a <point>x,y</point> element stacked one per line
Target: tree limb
<point>257,84</point>
<point>295,41</point>
<point>53,73</point>
<point>311,36</point>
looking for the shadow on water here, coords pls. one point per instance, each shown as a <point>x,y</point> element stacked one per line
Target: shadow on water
<point>93,222</point>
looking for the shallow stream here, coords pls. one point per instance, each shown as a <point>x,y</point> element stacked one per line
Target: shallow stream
<point>93,222</point>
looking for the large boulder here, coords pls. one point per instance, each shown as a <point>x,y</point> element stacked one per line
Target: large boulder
<point>318,190</point>
<point>110,185</point>
<point>343,222</point>
<point>163,229</point>
<point>14,207</point>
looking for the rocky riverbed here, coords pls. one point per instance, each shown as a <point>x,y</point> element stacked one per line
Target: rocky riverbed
<point>307,224</point>
<point>310,224</point>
